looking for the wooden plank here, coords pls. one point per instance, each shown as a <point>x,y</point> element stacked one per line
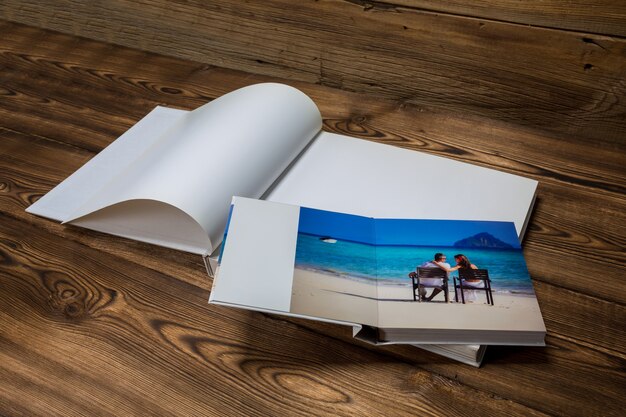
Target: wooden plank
<point>565,82</point>
<point>135,341</point>
<point>397,123</point>
<point>554,379</point>
<point>595,16</point>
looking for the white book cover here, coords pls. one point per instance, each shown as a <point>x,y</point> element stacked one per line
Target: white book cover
<point>170,178</point>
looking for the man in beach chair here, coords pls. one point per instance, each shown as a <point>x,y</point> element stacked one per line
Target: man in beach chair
<point>439,257</point>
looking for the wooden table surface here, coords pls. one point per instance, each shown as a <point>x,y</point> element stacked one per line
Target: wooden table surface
<point>92,324</point>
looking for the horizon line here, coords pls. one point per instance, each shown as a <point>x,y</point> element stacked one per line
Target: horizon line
<point>414,246</point>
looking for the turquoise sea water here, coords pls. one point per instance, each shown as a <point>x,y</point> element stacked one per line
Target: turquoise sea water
<point>507,268</point>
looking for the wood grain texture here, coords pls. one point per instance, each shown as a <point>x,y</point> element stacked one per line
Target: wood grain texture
<point>565,82</point>
<point>605,17</point>
<point>135,341</point>
<point>94,324</point>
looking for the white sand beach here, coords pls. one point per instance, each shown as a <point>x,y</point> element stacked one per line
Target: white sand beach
<point>344,298</point>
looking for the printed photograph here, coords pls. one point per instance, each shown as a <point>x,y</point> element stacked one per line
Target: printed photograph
<point>412,273</point>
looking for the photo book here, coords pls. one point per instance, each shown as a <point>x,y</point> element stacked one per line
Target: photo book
<point>169,180</point>
<point>412,281</point>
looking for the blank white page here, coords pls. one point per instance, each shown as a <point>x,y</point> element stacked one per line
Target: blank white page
<point>354,176</point>
<point>182,168</point>
<point>258,262</point>
<point>64,199</point>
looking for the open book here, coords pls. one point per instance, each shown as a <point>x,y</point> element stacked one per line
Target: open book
<point>349,269</point>
<point>169,179</point>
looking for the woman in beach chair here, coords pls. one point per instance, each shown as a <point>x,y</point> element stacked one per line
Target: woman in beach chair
<point>462,262</point>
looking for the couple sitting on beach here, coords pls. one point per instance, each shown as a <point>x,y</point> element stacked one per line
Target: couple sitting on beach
<point>439,261</point>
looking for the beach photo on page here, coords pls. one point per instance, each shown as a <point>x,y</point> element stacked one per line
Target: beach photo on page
<point>412,273</point>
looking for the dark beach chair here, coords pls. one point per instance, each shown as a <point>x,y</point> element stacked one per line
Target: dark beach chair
<point>473,274</point>
<point>433,273</point>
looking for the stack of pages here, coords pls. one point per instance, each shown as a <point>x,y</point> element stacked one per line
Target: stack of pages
<point>171,178</point>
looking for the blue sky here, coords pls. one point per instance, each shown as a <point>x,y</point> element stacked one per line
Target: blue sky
<point>400,231</point>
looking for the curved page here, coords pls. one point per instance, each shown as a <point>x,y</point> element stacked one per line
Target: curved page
<point>64,199</point>
<point>238,144</point>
